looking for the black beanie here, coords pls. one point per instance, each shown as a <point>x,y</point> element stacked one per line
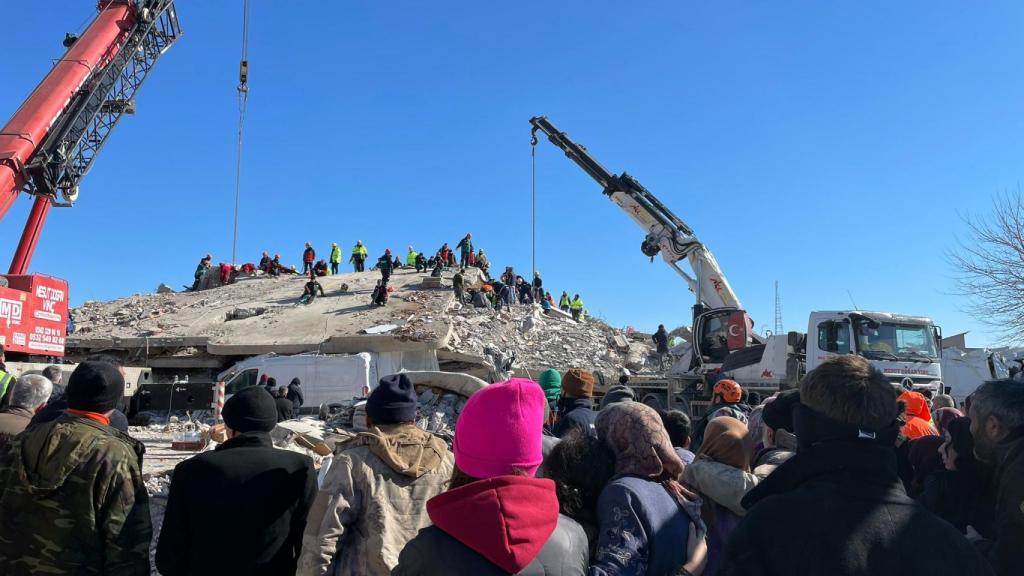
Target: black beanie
<point>251,410</point>
<point>778,414</point>
<point>393,401</point>
<point>95,387</point>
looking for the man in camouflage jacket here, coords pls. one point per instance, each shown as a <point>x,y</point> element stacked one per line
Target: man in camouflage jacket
<point>71,490</point>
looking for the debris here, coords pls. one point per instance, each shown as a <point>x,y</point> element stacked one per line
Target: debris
<point>243,313</point>
<point>381,329</point>
<point>164,289</point>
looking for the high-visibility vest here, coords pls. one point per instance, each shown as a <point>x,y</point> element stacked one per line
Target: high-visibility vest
<point>577,304</point>
<point>5,381</point>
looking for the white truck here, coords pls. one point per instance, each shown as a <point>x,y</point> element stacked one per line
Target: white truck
<point>723,342</point>
<point>964,370</point>
<point>326,378</point>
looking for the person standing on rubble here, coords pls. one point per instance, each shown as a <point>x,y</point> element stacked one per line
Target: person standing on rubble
<point>482,263</point>
<point>576,404</point>
<point>385,265</point>
<point>661,341</point>
<point>458,284</point>
<point>465,247</point>
<point>335,258</point>
<point>295,395</point>
<point>576,307</point>
<point>238,509</point>
<point>358,259</point>
<point>71,490</point>
<point>372,500</point>
<point>538,287</point>
<point>308,257</point>
<point>563,302</point>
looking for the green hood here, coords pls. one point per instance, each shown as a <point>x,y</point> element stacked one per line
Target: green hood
<point>551,382</point>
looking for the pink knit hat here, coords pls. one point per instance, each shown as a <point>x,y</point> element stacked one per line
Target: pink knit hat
<point>499,430</point>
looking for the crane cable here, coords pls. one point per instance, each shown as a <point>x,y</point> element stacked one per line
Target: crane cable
<point>533,160</point>
<point>243,97</point>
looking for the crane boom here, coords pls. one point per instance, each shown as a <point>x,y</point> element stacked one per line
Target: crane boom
<point>50,143</point>
<point>665,232</point>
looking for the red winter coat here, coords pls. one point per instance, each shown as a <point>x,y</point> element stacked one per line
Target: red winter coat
<point>309,255</point>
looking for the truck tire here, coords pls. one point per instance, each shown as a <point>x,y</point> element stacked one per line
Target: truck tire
<point>654,401</point>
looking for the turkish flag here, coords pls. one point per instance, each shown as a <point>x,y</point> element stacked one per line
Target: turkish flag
<point>737,331</point>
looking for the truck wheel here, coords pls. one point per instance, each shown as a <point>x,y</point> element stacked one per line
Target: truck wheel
<point>654,401</point>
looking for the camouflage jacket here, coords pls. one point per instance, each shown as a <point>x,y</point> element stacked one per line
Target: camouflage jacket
<point>75,487</point>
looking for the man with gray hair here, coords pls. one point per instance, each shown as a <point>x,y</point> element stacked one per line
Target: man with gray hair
<point>30,393</point>
<point>997,424</point>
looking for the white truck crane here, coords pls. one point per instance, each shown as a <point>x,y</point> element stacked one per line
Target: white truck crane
<point>723,341</point>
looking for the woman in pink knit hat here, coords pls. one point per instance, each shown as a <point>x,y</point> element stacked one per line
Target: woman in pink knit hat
<point>496,518</point>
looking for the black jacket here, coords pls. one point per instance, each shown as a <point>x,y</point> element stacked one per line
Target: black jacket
<point>1007,551</point>
<point>433,552</point>
<point>576,413</point>
<point>960,499</point>
<point>285,409</point>
<point>238,510</point>
<point>838,508</point>
<point>296,396</point>
<point>661,340</point>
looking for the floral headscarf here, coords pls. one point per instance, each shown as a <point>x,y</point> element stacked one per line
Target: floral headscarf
<point>635,434</point>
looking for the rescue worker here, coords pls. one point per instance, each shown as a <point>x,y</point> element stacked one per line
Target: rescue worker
<point>661,341</point>
<point>563,302</point>
<point>385,265</point>
<point>421,262</point>
<point>275,266</point>
<point>576,306</point>
<point>465,247</point>
<point>538,287</point>
<point>308,257</point>
<point>71,489</point>
<point>320,268</point>
<point>482,262</point>
<point>335,258</point>
<point>410,258</point>
<point>358,259</point>
<point>265,263</point>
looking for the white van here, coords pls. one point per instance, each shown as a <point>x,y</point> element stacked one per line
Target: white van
<point>326,378</point>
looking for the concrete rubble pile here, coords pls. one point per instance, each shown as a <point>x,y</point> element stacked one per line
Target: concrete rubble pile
<point>538,341</point>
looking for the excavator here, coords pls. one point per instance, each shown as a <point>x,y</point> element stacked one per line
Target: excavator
<point>51,142</point>
<point>723,342</point>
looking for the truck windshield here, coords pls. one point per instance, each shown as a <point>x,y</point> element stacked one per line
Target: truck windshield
<point>902,341</point>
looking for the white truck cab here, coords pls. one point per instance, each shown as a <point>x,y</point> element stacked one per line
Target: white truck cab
<point>904,348</point>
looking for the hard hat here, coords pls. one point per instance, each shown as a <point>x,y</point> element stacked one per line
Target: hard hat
<point>334,243</point>
<point>729,390</point>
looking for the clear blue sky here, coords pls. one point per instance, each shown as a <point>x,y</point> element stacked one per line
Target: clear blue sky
<point>830,145</point>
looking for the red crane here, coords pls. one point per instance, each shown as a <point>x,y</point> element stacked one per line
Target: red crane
<point>50,143</point>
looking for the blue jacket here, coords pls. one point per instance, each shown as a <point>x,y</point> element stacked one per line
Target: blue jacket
<point>642,530</point>
<point>576,413</point>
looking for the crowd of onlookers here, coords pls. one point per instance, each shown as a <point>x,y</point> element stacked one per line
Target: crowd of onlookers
<point>844,475</point>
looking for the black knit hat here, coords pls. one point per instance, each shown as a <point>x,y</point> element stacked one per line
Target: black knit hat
<point>393,401</point>
<point>95,387</point>
<point>251,410</point>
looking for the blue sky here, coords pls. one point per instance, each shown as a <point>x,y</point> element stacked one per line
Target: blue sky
<point>831,146</point>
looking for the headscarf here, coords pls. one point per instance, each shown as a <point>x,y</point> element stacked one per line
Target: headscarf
<point>724,443</point>
<point>943,416</point>
<point>635,435</point>
<point>924,459</point>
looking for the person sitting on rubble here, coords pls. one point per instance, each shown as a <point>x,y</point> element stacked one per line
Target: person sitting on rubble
<point>373,496</point>
<point>420,262</point>
<point>479,299</point>
<point>380,294</point>
<point>496,518</point>
<point>239,509</point>
<point>545,304</point>
<point>265,263</point>
<point>285,410</point>
<point>204,266</point>
<point>320,268</point>
<point>444,253</point>
<point>310,291</point>
<point>437,271</point>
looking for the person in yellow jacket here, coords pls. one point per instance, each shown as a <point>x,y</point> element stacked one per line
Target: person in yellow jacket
<point>358,258</point>
<point>576,307</point>
<point>335,258</point>
<point>563,302</point>
<point>410,258</point>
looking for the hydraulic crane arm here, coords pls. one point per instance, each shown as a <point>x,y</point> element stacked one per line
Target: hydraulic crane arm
<point>665,232</point>
<point>50,143</point>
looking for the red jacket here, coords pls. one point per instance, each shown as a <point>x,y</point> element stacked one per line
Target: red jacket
<point>309,255</point>
<point>918,416</point>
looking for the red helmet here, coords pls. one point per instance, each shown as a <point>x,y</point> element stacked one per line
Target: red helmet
<point>729,390</point>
